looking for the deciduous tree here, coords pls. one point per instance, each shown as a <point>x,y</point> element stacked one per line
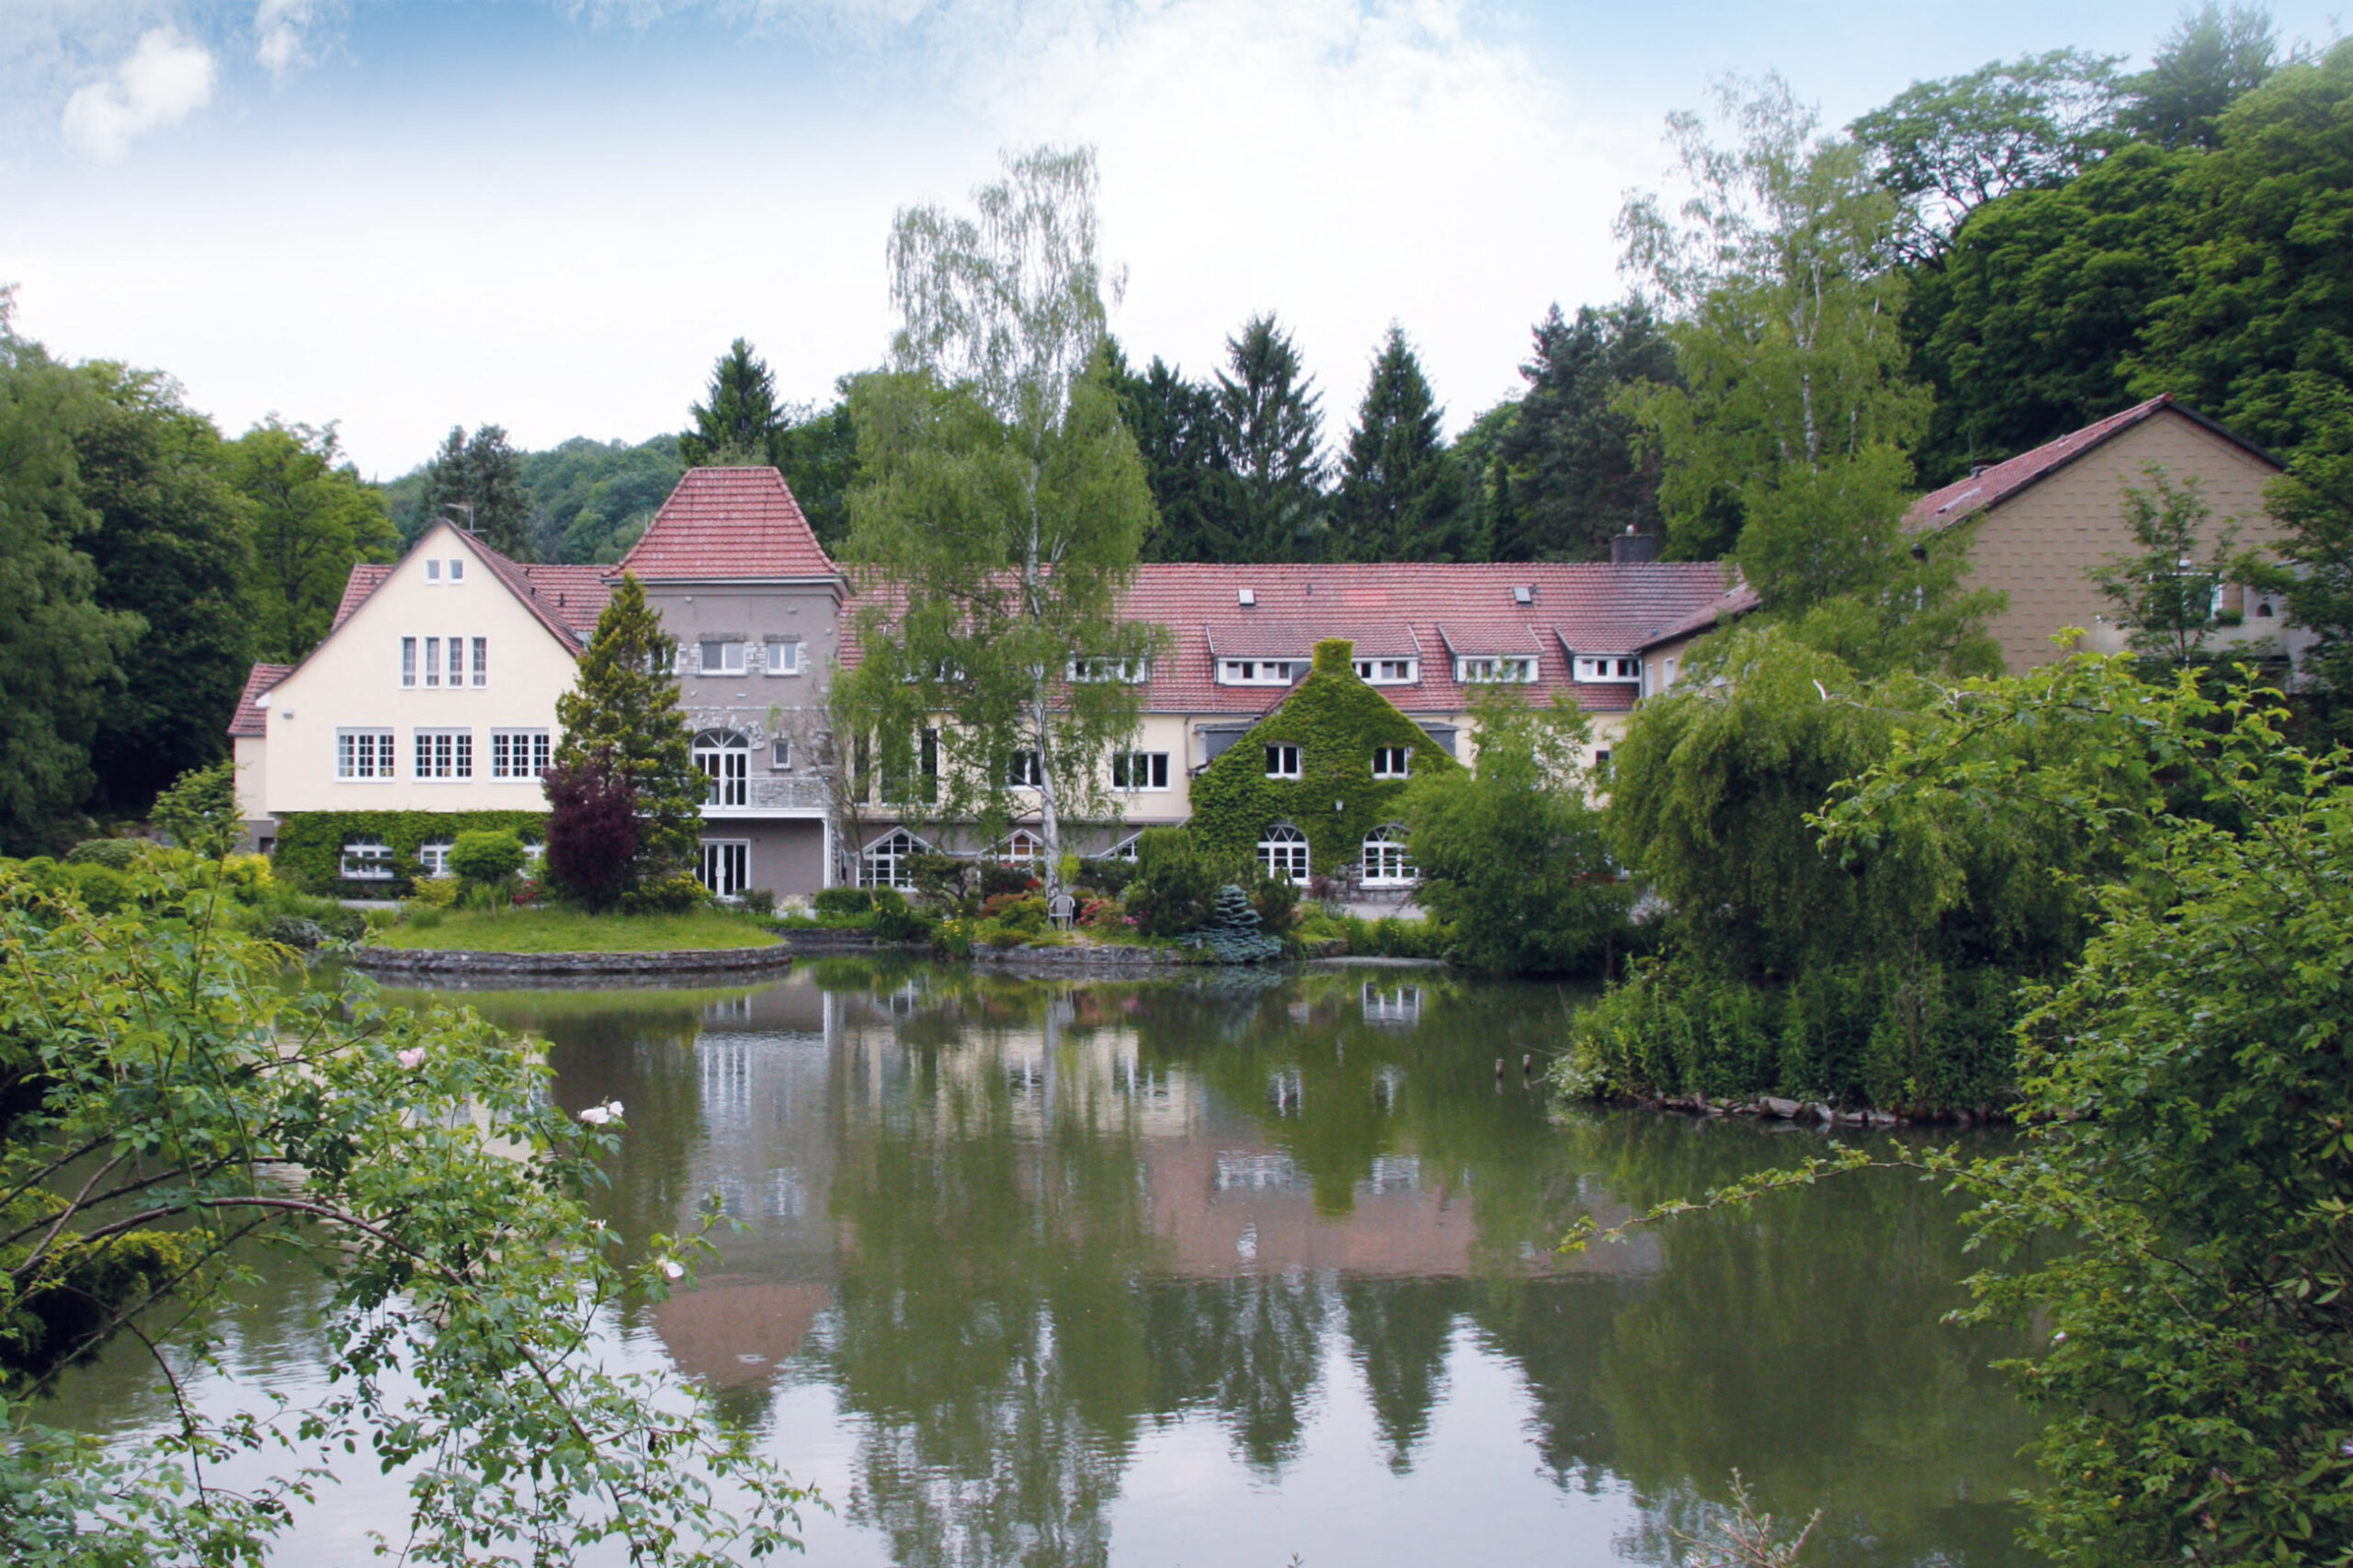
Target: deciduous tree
<point>1004,504</point>
<point>311,518</point>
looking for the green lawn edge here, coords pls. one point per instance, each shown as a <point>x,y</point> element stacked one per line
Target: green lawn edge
<point>567,931</point>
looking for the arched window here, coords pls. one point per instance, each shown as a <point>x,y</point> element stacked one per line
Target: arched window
<point>725,758</point>
<point>1282,851</point>
<point>1385,861</point>
<point>433,858</point>
<point>885,864</point>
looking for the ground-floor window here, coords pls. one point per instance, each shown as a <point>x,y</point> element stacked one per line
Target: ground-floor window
<point>433,858</point>
<point>1022,848</point>
<point>885,864</point>
<point>1125,850</point>
<point>1283,852</point>
<point>1386,863</point>
<point>366,861</point>
<point>726,865</point>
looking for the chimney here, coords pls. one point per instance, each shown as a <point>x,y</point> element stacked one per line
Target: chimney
<point>1630,548</point>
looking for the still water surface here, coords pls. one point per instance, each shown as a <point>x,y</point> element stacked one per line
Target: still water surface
<point>1219,1273</point>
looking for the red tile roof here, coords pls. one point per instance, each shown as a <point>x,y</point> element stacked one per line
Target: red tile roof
<point>364,580</point>
<point>253,706</point>
<point>1997,483</point>
<point>1591,609</point>
<point>566,600</point>
<point>729,523</point>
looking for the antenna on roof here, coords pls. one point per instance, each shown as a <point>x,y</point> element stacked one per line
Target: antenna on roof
<point>468,508</point>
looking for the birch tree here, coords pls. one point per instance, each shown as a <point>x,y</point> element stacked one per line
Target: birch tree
<point>1787,446</point>
<point>999,515</point>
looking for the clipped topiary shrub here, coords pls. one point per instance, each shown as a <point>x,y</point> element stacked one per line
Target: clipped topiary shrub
<point>843,901</point>
<point>673,894</point>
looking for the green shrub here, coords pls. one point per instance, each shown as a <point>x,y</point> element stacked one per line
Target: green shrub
<point>118,854</point>
<point>1175,886</point>
<point>488,857</point>
<point>1108,875</point>
<point>424,919</point>
<point>1276,900</point>
<point>894,921</point>
<point>673,894</point>
<point>102,888</point>
<point>998,878</point>
<point>757,901</point>
<point>845,901</point>
<point>435,893</point>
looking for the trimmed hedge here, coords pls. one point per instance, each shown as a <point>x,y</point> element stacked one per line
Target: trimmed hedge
<point>310,844</point>
<point>1336,719</point>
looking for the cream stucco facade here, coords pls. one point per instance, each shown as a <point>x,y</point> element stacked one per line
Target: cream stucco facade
<point>369,680</point>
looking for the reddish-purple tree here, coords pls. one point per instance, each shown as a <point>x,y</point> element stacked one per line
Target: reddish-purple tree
<point>592,830</point>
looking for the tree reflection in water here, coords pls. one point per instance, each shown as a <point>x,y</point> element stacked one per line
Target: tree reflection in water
<point>1041,1241</point>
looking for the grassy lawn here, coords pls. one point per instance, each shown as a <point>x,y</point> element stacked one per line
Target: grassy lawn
<point>565,931</point>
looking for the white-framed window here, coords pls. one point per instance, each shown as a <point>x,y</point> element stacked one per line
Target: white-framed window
<point>1022,847</point>
<point>1283,852</point>
<point>726,865</point>
<point>517,754</point>
<point>366,860</point>
<point>1392,762</point>
<point>433,661</point>
<point>784,656</point>
<point>1254,672</point>
<point>408,661</point>
<point>1609,668</point>
<point>1389,672</point>
<point>433,858</point>
<point>780,753</point>
<point>1133,770</point>
<point>722,658</point>
<point>1601,759</point>
<point>1484,669</point>
<point>445,753</point>
<point>1386,862</point>
<point>725,758</point>
<point>482,660</point>
<point>1134,672</point>
<point>885,864</point>
<point>1022,772</point>
<point>363,753</point>
<point>432,568</point>
<point>1123,850</point>
<point>1282,761</point>
<point>662,660</point>
<point>456,569</point>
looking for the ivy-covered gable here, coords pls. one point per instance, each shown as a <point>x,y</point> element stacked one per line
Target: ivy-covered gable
<point>1337,722</point>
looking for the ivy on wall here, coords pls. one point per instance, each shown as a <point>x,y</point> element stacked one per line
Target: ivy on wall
<point>1336,719</point>
<point>310,844</point>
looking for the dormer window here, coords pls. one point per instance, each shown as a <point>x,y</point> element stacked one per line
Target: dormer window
<point>1131,672</point>
<point>1485,670</point>
<point>1254,672</point>
<point>1611,667</point>
<point>1389,672</point>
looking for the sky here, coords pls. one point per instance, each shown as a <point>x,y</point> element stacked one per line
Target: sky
<point>552,215</point>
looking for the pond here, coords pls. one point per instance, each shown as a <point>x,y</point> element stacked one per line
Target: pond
<point>1230,1270</point>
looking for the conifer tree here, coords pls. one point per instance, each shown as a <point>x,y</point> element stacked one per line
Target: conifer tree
<point>476,482</point>
<point>1174,421</point>
<point>741,423</point>
<point>1270,428</point>
<point>1572,448</point>
<point>624,711</point>
<point>1400,497</point>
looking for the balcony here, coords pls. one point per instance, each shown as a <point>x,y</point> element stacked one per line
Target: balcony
<point>799,796</point>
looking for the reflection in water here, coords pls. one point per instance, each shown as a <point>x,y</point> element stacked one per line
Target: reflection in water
<point>1051,1273</point>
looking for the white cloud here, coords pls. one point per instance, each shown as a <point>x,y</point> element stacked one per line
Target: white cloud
<point>279,27</point>
<point>168,78</point>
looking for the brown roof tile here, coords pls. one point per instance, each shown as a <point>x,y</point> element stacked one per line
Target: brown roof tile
<point>253,705</point>
<point>728,523</point>
<point>1990,487</point>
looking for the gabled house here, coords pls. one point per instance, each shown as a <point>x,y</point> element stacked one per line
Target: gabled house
<point>432,692</point>
<point>2046,519</point>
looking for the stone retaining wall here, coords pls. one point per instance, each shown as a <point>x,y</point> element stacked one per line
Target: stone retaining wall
<point>1076,960</point>
<point>425,961</point>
